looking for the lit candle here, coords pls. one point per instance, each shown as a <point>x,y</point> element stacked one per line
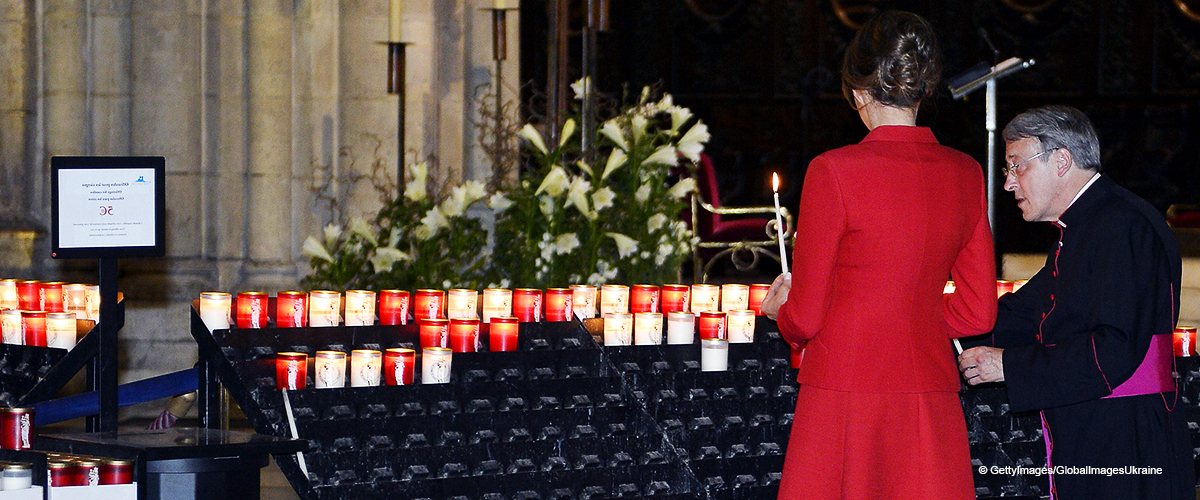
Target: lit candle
<point>741,326</point>
<point>393,307</point>
<point>428,304</point>
<point>435,365</point>
<point>93,302</point>
<point>647,328</point>
<point>10,326</point>
<point>323,308</point>
<point>1003,287</point>
<point>1018,284</point>
<point>51,296</point>
<point>251,310</point>
<point>460,303</point>
<point>714,355</point>
<point>360,308</point>
<point>291,309</point>
<point>734,296</point>
<point>364,367</point>
<point>398,366</point>
<point>497,302</point>
<point>8,294</point>
<point>75,299</point>
<point>214,310</point>
<point>291,370</point>
<point>779,223</point>
<point>675,298</point>
<point>527,304</point>
<point>502,333</point>
<point>464,334</point>
<point>758,292</point>
<point>1185,341</point>
<point>395,9</point>
<point>583,301</point>
<point>33,328</point>
<point>60,330</point>
<point>949,288</point>
<point>643,298</point>
<point>434,332</point>
<point>330,370</point>
<point>559,304</point>
<point>681,327</point>
<point>704,298</point>
<point>614,299</point>
<point>712,325</point>
<point>28,298</point>
<point>618,328</point>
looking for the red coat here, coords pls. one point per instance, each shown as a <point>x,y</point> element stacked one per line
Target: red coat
<point>882,224</point>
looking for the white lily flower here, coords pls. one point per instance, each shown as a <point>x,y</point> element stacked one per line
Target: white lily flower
<point>679,116</point>
<point>616,159</point>
<point>359,226</point>
<point>655,222</point>
<point>612,131</point>
<point>625,245</point>
<point>664,155</point>
<point>475,191</point>
<point>666,103</point>
<point>456,203</point>
<point>639,124</point>
<point>547,206</point>
<point>534,137</point>
<point>642,194</point>
<point>692,142</point>
<point>499,203</point>
<point>565,243</point>
<point>554,183</point>
<point>581,86</point>
<point>603,198</point>
<point>568,130</point>
<point>577,195</point>
<point>584,167</point>
<point>314,249</point>
<point>385,257</point>
<point>415,189</point>
<point>333,233</point>
<point>435,220</point>
<point>682,188</point>
<point>422,232</point>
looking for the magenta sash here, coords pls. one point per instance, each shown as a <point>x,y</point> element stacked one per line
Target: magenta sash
<point>1154,374</point>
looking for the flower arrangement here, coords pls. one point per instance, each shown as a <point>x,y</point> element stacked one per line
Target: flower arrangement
<point>614,219</point>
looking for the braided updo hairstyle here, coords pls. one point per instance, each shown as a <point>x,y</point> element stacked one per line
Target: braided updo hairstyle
<point>895,58</point>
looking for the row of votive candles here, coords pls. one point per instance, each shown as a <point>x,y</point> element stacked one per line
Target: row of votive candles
<point>81,470</point>
<point>39,328</point>
<point>1002,286</point>
<point>367,368</point>
<point>646,328</point>
<point>391,307</point>
<point>51,296</point>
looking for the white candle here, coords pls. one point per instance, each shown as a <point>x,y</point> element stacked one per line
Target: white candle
<point>617,326</point>
<point>360,308</point>
<point>93,302</point>
<point>681,327</point>
<point>583,301</point>
<point>395,8</point>
<point>741,326</point>
<point>704,298</point>
<point>214,309</point>
<point>714,355</point>
<point>10,322</point>
<point>74,299</point>
<point>779,223</point>
<point>735,296</point>
<point>647,328</point>
<point>323,308</point>
<point>60,330</point>
<point>330,369</point>
<point>460,303</point>
<point>435,365</point>
<point>8,294</point>
<point>365,367</point>
<point>497,303</point>
<point>614,299</point>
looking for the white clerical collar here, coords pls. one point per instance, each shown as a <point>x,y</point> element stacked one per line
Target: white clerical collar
<point>1077,195</point>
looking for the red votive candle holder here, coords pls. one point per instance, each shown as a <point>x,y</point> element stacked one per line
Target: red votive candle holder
<point>29,295</point>
<point>251,310</point>
<point>61,473</point>
<point>393,307</point>
<point>758,292</point>
<point>502,333</point>
<point>428,304</point>
<point>399,364</point>
<point>51,296</point>
<point>527,304</point>
<point>116,472</point>
<point>1003,287</point>
<point>291,370</point>
<point>16,426</point>
<point>291,309</point>
<point>559,304</point>
<point>676,298</point>
<point>464,334</point>
<point>33,328</point>
<point>88,472</point>
<point>1185,341</point>
<point>643,299</point>
<point>435,332</point>
<point>712,325</point>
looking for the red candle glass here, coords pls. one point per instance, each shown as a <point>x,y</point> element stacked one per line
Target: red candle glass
<point>464,334</point>
<point>393,307</point>
<point>50,294</point>
<point>29,295</point>
<point>676,298</point>
<point>1003,287</point>
<point>251,310</point>
<point>428,304</point>
<point>116,472</point>
<point>291,309</point>
<point>435,332</point>
<point>1185,341</point>
<point>712,325</point>
<point>16,425</point>
<point>502,333</point>
<point>61,473</point>
<point>527,304</point>
<point>398,366</point>
<point>291,370</point>
<point>643,298</point>
<point>559,304</point>
<point>758,292</point>
<point>87,472</point>
<point>33,327</point>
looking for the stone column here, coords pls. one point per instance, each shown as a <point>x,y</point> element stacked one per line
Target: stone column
<point>270,45</point>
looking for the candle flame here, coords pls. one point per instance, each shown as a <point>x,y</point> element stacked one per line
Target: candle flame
<point>775,182</point>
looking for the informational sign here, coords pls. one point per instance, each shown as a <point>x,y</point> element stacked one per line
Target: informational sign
<point>107,206</point>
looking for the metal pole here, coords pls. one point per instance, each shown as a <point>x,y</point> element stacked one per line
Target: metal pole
<point>396,86</point>
<point>589,70</point>
<point>103,373</point>
<point>991,164</point>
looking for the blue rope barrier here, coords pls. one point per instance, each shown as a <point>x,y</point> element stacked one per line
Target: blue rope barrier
<point>82,405</point>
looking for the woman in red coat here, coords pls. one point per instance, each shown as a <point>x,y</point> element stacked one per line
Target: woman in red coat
<point>882,224</point>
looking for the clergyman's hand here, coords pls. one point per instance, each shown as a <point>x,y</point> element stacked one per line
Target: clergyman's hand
<point>777,295</point>
<point>982,364</point>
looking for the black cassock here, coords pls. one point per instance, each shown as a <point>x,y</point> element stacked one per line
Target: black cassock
<point>1080,328</point>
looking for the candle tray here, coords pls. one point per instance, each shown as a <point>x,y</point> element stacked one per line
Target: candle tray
<point>33,374</point>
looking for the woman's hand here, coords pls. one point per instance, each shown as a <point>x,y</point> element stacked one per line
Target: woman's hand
<point>777,295</point>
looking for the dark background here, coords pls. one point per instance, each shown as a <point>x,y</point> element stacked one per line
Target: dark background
<point>765,76</point>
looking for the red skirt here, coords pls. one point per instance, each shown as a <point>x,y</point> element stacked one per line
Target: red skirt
<point>871,446</point>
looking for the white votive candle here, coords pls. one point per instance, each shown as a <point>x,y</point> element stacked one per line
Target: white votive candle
<point>10,323</point>
<point>323,308</point>
<point>704,298</point>
<point>60,330</point>
<point>360,308</point>
<point>681,327</point>
<point>618,328</point>
<point>460,303</point>
<point>740,326</point>
<point>365,365</point>
<point>214,309</point>
<point>330,371</point>
<point>497,303</point>
<point>435,365</point>
<point>614,299</point>
<point>735,296</point>
<point>647,328</point>
<point>583,301</point>
<point>714,355</point>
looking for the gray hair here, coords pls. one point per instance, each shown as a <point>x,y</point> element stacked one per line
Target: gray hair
<point>1058,127</point>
